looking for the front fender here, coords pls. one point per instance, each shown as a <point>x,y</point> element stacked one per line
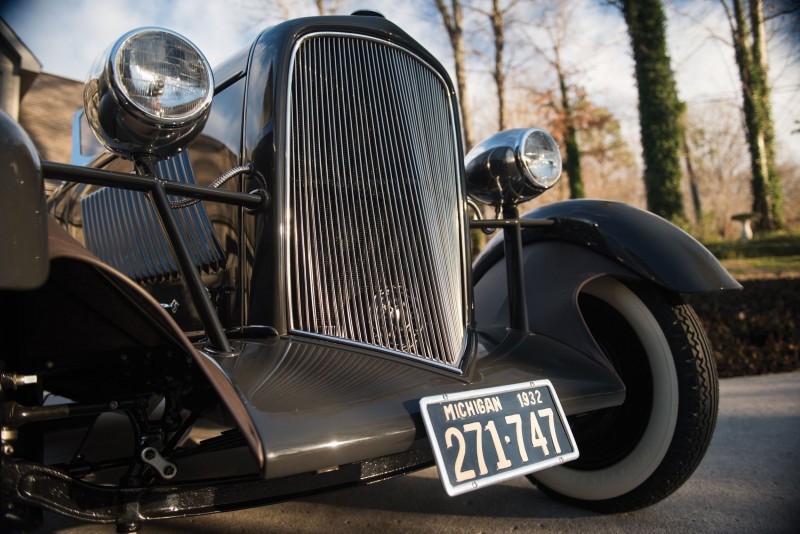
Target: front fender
<point>639,240</point>
<point>23,220</point>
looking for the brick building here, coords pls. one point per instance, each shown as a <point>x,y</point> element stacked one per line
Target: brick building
<point>44,104</point>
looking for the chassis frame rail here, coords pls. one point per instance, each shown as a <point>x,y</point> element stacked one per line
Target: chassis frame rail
<point>54,490</point>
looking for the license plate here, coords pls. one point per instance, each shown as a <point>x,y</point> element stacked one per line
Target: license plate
<point>485,436</point>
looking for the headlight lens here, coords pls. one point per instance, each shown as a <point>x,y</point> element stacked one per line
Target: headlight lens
<point>149,94</point>
<point>163,75</point>
<point>513,166</point>
<point>541,157</point>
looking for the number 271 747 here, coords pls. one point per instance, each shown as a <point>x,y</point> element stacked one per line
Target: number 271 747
<point>494,434</point>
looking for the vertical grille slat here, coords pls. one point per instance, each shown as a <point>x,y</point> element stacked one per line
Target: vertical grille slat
<point>123,229</point>
<point>375,240</point>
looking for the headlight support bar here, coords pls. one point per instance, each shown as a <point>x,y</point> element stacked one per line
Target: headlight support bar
<point>218,341</point>
<point>255,202</point>
<point>512,227</point>
<point>158,189</point>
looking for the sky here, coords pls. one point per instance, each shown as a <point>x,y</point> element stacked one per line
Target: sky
<point>67,35</point>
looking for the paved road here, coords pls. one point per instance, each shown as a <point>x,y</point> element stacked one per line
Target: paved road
<point>748,482</point>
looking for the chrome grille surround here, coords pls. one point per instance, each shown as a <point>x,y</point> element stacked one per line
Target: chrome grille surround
<point>374,208</point>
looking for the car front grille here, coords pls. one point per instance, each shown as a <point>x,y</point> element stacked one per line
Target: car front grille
<point>374,205</point>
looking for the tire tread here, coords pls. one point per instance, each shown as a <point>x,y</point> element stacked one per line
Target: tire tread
<point>698,405</point>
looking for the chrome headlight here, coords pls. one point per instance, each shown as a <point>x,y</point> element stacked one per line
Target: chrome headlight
<point>513,166</point>
<point>149,94</point>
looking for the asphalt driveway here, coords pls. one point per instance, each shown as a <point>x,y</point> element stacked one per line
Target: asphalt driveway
<point>748,482</point>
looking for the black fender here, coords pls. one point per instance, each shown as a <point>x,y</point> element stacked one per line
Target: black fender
<point>590,239</point>
<point>648,245</point>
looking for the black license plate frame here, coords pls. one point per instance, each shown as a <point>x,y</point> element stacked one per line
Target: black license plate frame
<point>485,436</point>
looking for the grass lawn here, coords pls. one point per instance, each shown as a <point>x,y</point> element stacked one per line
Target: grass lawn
<point>774,255</point>
<point>766,267</point>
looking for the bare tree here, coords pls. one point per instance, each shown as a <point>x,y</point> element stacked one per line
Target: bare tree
<point>279,10</point>
<point>718,156</point>
<point>555,21</point>
<point>329,7</point>
<point>501,19</point>
<point>452,17</point>
<point>608,166</point>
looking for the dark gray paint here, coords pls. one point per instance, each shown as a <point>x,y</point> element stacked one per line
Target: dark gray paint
<point>23,240</point>
<point>318,405</point>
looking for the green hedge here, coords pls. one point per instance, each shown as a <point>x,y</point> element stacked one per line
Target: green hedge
<point>753,331</point>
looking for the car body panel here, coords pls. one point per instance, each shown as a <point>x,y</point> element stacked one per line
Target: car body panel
<point>23,217</point>
<point>319,405</point>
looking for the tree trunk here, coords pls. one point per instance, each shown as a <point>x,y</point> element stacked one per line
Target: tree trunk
<point>751,60</point>
<point>572,163</point>
<point>499,74</point>
<point>694,188</point>
<point>659,107</point>
<point>766,124</point>
<point>452,19</point>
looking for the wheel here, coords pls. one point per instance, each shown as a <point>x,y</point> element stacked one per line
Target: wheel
<point>636,454</point>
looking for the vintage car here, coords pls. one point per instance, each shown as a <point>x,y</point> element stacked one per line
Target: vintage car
<point>255,283</point>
